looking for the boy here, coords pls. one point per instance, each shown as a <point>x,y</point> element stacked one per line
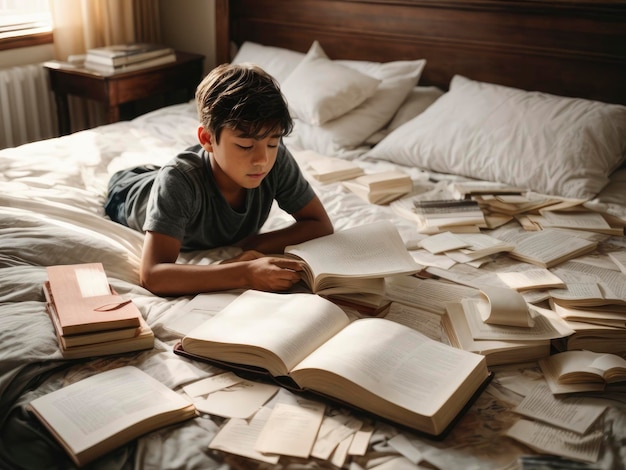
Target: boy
<point>220,192</point>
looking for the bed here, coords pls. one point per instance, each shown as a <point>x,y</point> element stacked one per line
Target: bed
<point>431,59</point>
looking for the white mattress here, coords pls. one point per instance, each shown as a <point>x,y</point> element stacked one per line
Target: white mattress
<point>51,196</point>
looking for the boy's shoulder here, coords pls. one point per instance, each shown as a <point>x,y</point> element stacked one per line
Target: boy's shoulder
<point>191,157</point>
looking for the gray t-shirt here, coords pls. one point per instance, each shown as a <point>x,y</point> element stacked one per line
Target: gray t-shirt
<point>185,203</point>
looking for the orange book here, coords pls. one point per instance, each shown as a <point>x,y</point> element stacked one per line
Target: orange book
<point>85,302</point>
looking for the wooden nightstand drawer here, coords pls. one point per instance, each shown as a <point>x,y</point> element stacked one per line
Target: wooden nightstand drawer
<point>117,89</point>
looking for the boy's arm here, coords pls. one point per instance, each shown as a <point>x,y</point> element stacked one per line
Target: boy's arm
<point>160,273</point>
<point>312,221</point>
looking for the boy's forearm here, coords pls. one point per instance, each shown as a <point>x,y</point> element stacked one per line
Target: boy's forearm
<point>275,242</point>
<point>171,279</point>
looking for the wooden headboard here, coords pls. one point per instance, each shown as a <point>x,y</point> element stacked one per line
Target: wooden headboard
<point>566,47</point>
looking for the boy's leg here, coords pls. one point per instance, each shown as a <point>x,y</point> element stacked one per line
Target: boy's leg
<point>123,182</point>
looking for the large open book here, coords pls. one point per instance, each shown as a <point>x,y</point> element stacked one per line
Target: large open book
<point>354,260</point>
<point>308,343</point>
<point>95,415</point>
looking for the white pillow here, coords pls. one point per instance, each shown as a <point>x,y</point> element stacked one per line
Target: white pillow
<point>547,143</point>
<point>276,61</point>
<point>320,90</point>
<point>420,98</point>
<point>346,135</point>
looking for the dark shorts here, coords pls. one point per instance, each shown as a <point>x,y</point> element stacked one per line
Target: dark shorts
<point>129,187</point>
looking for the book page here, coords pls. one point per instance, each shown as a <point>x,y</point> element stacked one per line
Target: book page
<point>619,258</point>
<point>575,220</point>
<point>551,440</point>
<point>546,246</point>
<point>361,441</point>
<point>239,436</point>
<point>614,281</point>
<point>426,294</point>
<point>542,327</point>
<point>240,400</point>
<point>392,361</point>
<point>371,250</point>
<point>185,317</point>
<point>82,416</point>
<point>503,306</point>
<point>531,279</point>
<point>444,241</point>
<point>288,325</point>
<point>291,430</point>
<point>570,413</point>
<point>211,384</point>
<point>333,431</point>
<point>423,321</point>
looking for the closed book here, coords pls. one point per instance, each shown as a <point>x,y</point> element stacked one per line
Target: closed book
<point>84,301</point>
<point>143,64</point>
<point>121,54</point>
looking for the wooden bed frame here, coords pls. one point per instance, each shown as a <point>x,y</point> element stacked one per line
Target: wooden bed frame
<point>566,47</point>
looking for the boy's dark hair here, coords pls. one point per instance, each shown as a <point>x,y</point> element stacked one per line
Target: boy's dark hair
<point>242,97</point>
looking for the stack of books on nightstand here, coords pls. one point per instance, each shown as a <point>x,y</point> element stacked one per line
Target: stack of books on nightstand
<point>128,57</point>
<point>89,317</point>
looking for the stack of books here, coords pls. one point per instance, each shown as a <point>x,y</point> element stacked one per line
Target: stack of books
<point>128,57</point>
<point>381,188</point>
<point>331,169</point>
<point>89,317</point>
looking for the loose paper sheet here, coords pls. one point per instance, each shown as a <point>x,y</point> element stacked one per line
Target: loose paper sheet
<point>570,413</point>
<point>291,430</point>
<point>241,400</point>
<point>238,436</point>
<point>551,440</point>
<point>333,431</point>
<point>211,384</point>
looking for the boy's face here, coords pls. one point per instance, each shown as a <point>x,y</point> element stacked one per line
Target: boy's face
<point>240,160</point>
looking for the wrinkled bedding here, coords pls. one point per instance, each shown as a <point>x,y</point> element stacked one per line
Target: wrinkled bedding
<point>51,195</point>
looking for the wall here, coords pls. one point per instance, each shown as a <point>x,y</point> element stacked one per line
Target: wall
<point>189,25</point>
<point>26,55</point>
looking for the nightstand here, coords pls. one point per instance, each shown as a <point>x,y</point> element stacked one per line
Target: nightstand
<point>120,88</point>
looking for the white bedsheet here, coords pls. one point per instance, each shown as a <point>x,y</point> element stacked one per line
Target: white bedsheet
<point>51,196</point>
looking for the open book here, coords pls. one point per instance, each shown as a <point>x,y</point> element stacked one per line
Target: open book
<point>354,260</point>
<point>104,411</point>
<point>307,343</point>
<point>582,371</point>
<point>545,248</point>
<point>497,351</point>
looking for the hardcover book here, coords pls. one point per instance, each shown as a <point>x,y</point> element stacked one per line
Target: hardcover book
<point>307,343</point>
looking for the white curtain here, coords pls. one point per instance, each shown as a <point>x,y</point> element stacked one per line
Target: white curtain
<point>83,24</point>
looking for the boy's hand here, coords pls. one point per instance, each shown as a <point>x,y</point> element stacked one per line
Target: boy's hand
<point>273,273</point>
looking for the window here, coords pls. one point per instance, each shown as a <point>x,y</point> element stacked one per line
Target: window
<point>24,23</point>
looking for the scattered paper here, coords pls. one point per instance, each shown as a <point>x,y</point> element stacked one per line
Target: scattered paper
<point>570,413</point>
<point>211,384</point>
<point>361,441</point>
<point>291,430</point>
<point>334,430</point>
<point>551,440</point>
<point>241,400</point>
<point>405,448</point>
<point>238,436</point>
